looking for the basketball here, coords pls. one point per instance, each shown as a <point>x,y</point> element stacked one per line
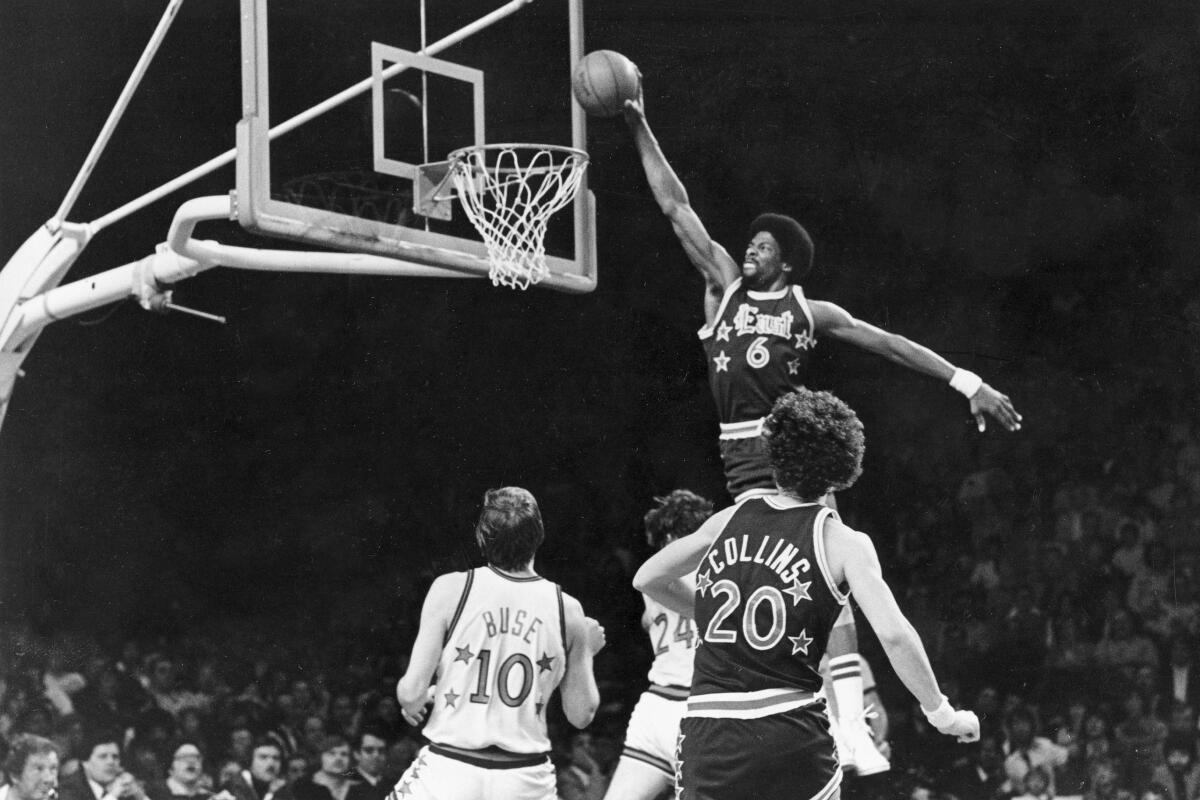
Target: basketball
<point>603,80</point>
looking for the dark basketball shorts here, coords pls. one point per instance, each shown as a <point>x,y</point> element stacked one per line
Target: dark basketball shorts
<point>785,756</point>
<point>747,468</point>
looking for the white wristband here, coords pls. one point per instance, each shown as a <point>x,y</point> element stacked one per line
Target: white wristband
<point>967,383</point>
<point>941,716</point>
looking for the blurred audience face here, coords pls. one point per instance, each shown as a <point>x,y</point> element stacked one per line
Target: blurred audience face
<point>186,765</point>
<point>240,742</point>
<point>314,732</point>
<point>297,768</point>
<point>991,754</point>
<point>302,693</point>
<point>162,679</point>
<point>144,762</point>
<point>400,755</point>
<point>37,721</point>
<point>335,761</point>
<point>228,772</point>
<point>341,711</point>
<point>103,764</point>
<point>265,763</point>
<point>371,755</point>
<point>37,778</point>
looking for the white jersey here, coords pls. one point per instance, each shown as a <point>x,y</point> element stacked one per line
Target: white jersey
<point>504,655</point>
<point>674,639</point>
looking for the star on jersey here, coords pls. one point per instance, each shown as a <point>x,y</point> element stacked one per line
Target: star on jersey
<point>793,366</point>
<point>702,583</point>
<point>723,331</point>
<point>464,654</point>
<point>545,662</point>
<point>402,790</point>
<point>805,340</point>
<point>799,591</point>
<point>452,697</point>
<point>421,760</point>
<point>800,643</point>
<point>722,362</point>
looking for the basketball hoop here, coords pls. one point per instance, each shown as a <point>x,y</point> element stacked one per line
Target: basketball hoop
<point>509,192</point>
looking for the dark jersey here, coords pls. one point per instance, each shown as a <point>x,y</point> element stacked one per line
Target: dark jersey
<point>758,349</point>
<point>765,603</point>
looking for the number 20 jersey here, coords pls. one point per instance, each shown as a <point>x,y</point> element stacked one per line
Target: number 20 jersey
<point>765,603</point>
<point>758,348</point>
<point>504,655</point>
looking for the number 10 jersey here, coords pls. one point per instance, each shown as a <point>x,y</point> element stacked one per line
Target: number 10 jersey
<point>504,655</point>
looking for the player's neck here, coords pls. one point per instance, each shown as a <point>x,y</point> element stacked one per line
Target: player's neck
<point>524,572</point>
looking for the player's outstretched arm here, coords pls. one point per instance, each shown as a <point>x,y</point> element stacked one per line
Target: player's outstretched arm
<point>852,557</point>
<point>585,638</point>
<point>714,262</point>
<point>666,576</point>
<point>837,323</point>
<point>413,690</point>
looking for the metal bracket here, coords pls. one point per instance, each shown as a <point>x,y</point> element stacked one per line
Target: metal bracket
<point>433,190</point>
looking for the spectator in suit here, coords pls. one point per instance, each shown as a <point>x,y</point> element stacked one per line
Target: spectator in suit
<point>31,768</point>
<point>100,776</point>
<point>261,781</point>
<point>1180,775</point>
<point>331,781</point>
<point>370,756</point>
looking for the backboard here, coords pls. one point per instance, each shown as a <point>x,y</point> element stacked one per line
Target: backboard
<point>414,81</point>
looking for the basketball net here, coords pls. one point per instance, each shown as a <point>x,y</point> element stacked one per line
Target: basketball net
<point>509,192</point>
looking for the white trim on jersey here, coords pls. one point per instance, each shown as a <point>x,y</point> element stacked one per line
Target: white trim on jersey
<point>750,494</point>
<point>748,705</point>
<point>747,429</point>
<point>819,549</point>
<point>828,790</point>
<point>803,301</point>
<point>707,330</point>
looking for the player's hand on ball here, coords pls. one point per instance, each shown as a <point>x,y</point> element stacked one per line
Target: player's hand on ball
<point>595,635</point>
<point>987,402</point>
<point>635,110</point>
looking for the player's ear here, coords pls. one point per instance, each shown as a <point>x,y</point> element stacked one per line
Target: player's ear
<point>785,266</point>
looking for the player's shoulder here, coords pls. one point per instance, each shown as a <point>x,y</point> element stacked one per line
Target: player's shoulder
<point>449,584</point>
<point>842,541</point>
<point>827,314</point>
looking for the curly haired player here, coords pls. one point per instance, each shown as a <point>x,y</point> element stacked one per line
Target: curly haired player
<point>772,574</point>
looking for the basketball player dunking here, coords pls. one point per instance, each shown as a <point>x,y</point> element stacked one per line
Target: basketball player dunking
<point>647,765</point>
<point>501,639</point>
<point>773,574</point>
<point>759,331</point>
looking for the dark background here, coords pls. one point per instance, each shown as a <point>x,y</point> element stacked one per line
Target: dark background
<point>1013,184</point>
